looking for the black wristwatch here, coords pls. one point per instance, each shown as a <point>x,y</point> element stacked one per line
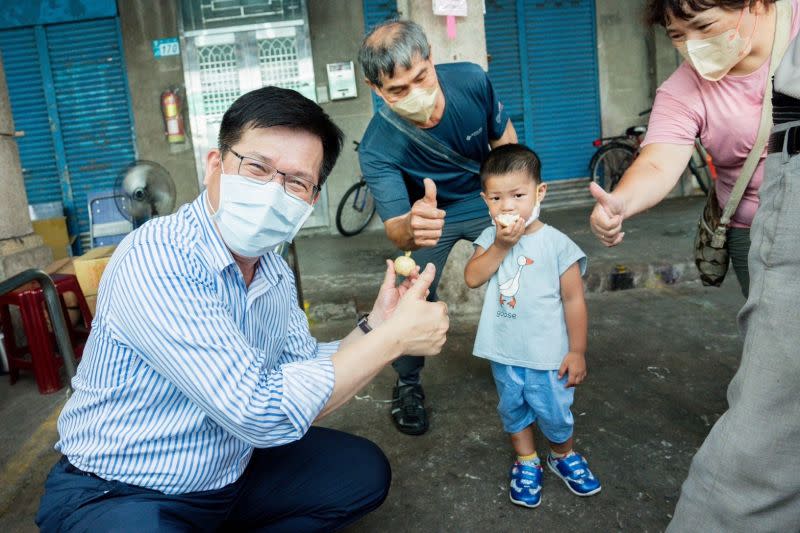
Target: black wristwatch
<point>363,323</point>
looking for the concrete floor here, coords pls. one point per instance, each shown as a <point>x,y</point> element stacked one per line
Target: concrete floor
<point>659,364</point>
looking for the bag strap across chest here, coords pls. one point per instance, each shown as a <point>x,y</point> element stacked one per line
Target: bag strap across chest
<point>428,142</point>
<point>783,22</point>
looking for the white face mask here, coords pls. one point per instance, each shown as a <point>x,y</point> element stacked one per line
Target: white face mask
<point>537,209</point>
<point>254,217</point>
<point>714,57</point>
<point>418,105</point>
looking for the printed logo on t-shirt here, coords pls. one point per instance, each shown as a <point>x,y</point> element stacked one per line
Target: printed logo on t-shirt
<point>499,116</point>
<point>509,288</point>
<point>474,133</point>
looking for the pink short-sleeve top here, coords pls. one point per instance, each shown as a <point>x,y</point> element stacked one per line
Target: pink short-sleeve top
<point>725,115</point>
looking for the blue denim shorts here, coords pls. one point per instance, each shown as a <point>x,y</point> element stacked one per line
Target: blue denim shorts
<point>528,396</point>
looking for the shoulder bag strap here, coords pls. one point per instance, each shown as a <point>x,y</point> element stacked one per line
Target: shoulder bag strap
<point>783,21</point>
<point>428,142</point>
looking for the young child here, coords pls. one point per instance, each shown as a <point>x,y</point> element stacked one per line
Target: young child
<point>533,327</point>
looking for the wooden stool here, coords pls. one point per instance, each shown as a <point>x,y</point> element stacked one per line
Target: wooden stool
<point>40,355</point>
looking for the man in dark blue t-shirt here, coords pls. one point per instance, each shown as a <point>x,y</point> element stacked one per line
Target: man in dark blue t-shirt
<point>420,157</point>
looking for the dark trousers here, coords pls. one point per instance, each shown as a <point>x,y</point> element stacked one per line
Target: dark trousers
<point>738,248</point>
<point>323,482</point>
<point>408,367</point>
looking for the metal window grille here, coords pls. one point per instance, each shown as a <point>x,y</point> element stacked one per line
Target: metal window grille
<point>277,59</point>
<point>219,80</point>
<point>201,15</point>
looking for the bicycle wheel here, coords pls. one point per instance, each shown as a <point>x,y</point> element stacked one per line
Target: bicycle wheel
<point>610,162</point>
<point>355,210</point>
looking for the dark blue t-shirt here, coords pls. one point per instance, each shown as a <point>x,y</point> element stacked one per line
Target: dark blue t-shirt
<point>394,166</point>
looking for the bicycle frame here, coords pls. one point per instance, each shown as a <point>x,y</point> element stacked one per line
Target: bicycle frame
<point>706,158</point>
<point>359,195</point>
<point>360,198</point>
<point>634,139</point>
<point>700,164</point>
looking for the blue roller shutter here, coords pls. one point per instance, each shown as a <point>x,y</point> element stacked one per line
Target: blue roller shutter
<point>91,90</point>
<point>375,12</point>
<point>562,79</point>
<point>556,63</point>
<point>69,93</point>
<point>505,64</point>
<point>29,108</point>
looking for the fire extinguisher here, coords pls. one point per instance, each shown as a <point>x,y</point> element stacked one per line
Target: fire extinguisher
<point>173,120</point>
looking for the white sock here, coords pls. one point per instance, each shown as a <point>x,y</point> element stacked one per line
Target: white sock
<point>555,455</point>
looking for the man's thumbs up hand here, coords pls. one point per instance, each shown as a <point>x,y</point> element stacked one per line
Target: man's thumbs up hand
<point>430,192</point>
<point>425,219</point>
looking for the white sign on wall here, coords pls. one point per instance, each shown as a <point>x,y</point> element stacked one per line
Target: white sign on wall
<point>453,8</point>
<point>341,80</point>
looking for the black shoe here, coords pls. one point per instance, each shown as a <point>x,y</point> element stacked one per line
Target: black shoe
<point>408,411</point>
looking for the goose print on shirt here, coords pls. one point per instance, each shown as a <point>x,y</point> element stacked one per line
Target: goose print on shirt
<point>509,288</point>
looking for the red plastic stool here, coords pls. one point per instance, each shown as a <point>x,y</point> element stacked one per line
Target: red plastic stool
<point>40,355</point>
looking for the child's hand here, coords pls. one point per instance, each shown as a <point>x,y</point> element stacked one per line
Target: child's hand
<point>574,365</point>
<point>508,236</point>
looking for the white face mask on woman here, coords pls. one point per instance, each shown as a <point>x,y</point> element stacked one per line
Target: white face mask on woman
<point>714,57</point>
<point>254,217</point>
<point>418,105</point>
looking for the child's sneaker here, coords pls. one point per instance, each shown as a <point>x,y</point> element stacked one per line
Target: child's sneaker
<point>526,484</point>
<point>574,470</point>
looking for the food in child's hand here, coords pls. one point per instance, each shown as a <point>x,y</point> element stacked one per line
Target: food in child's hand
<point>404,265</point>
<point>507,219</point>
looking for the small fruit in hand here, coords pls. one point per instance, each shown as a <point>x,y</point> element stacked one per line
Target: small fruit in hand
<point>404,265</point>
<point>507,219</point>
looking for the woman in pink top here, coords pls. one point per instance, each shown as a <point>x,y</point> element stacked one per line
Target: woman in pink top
<point>716,96</point>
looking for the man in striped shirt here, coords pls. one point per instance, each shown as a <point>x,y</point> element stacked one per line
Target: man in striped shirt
<point>194,400</point>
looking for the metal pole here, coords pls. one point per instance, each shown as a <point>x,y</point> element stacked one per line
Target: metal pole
<point>53,303</point>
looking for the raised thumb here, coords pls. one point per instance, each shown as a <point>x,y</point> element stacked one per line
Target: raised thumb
<point>608,202</point>
<point>430,191</point>
<point>419,288</point>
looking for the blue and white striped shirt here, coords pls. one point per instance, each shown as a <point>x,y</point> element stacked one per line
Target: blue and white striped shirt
<point>187,369</point>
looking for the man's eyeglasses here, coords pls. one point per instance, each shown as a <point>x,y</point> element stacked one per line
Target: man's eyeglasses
<point>259,170</point>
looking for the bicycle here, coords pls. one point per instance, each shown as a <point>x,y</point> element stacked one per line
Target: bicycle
<point>288,251</point>
<point>356,208</point>
<point>615,154</point>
